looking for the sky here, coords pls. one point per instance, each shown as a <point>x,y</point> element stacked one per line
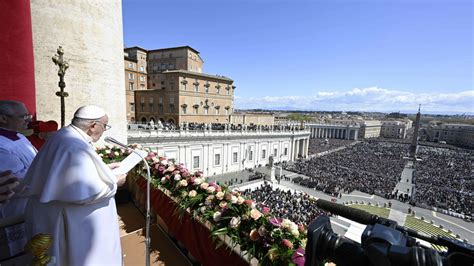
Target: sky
<point>322,55</point>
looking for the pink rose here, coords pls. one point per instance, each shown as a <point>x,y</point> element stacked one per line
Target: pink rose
<point>287,243</point>
<point>266,210</point>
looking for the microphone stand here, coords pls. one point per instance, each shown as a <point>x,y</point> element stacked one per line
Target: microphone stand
<point>148,181</point>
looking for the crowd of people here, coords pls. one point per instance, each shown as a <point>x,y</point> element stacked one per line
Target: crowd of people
<point>321,145</point>
<point>211,126</point>
<point>444,178</point>
<point>295,206</point>
<point>369,166</point>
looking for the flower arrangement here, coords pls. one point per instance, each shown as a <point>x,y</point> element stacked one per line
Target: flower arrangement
<point>271,240</point>
<point>110,154</point>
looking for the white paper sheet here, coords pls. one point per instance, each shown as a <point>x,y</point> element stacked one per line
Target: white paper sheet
<point>128,163</point>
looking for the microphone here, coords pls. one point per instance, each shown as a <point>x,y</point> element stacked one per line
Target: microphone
<point>353,214</point>
<point>116,142</point>
<point>148,216</point>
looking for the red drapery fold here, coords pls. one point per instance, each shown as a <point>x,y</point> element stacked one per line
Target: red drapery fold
<point>17,70</point>
<point>194,235</point>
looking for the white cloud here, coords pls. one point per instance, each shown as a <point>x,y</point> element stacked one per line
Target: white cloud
<point>366,99</point>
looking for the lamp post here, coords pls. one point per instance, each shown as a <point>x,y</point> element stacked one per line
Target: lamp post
<point>63,66</point>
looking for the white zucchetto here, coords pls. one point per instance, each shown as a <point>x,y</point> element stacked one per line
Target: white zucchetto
<point>89,112</point>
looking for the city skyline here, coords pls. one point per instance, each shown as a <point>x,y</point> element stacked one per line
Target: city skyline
<point>335,56</point>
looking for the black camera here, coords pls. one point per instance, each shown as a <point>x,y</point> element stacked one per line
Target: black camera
<point>383,242</point>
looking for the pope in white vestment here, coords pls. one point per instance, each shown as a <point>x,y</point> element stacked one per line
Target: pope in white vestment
<point>72,199</point>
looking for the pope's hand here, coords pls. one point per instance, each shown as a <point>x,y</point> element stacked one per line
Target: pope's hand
<point>112,166</point>
<point>121,179</point>
<point>7,183</point>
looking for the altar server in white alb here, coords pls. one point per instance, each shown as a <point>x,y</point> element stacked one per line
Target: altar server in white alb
<point>16,155</point>
<point>16,151</point>
<point>72,194</point>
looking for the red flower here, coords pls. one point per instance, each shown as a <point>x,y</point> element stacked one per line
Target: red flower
<point>266,210</point>
<point>287,243</point>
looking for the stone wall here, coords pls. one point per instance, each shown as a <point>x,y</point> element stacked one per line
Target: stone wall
<point>92,37</point>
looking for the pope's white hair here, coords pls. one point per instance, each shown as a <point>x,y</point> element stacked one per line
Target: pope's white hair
<point>83,124</point>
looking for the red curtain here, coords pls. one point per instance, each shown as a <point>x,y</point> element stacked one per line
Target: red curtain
<point>194,235</point>
<point>17,70</point>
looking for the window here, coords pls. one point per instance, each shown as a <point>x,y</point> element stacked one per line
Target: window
<point>234,157</point>
<point>130,65</point>
<point>171,100</point>
<point>286,151</point>
<point>275,152</point>
<point>142,78</point>
<point>217,159</point>
<point>142,87</point>
<point>160,100</point>
<point>130,76</point>
<point>130,86</point>
<point>196,86</point>
<point>132,107</point>
<point>152,107</point>
<point>142,69</point>
<point>171,66</point>
<point>183,109</point>
<point>226,111</point>
<point>196,162</point>
<point>160,108</point>
<point>171,107</point>
<point>264,154</point>
<point>250,155</point>
<point>217,111</point>
<point>206,110</point>
<point>142,107</point>
<point>195,110</point>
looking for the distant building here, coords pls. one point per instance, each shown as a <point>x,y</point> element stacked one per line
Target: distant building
<point>455,134</point>
<point>281,119</point>
<point>395,129</point>
<point>178,91</point>
<point>135,78</point>
<point>370,129</point>
<point>252,118</point>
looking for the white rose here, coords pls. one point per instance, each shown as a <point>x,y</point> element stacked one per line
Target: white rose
<point>177,177</point>
<point>198,181</point>
<point>204,185</point>
<point>164,162</point>
<point>192,193</point>
<point>211,189</point>
<point>295,233</point>
<point>183,183</point>
<point>203,209</point>
<point>217,216</point>
<point>163,180</point>
<point>234,222</point>
<point>233,199</point>
<point>116,153</point>
<point>240,200</point>
<point>220,195</point>
<point>285,223</point>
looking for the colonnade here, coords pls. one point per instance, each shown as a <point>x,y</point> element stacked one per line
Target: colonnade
<point>335,132</point>
<point>300,148</point>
